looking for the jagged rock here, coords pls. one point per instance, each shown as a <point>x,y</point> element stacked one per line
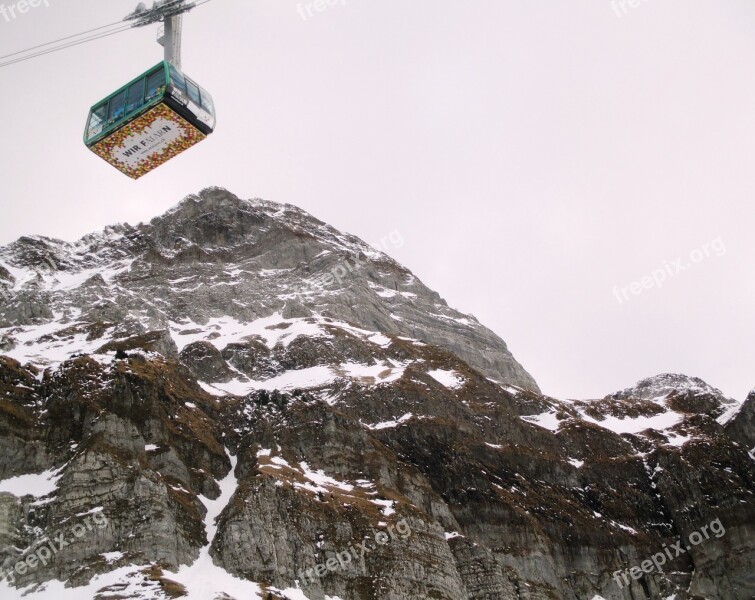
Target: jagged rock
<point>252,358</point>
<point>25,308</point>
<point>253,258</point>
<point>741,427</point>
<point>341,347</point>
<point>7,343</point>
<point>154,341</point>
<point>311,393</point>
<point>206,362</point>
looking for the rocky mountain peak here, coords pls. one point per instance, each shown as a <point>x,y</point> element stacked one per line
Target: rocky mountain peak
<point>217,257</point>
<point>228,402</point>
<point>661,386</point>
<point>213,218</point>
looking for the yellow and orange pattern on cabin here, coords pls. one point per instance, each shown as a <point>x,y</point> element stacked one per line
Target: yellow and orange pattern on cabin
<point>189,136</point>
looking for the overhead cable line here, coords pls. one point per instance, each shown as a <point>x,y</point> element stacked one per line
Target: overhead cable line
<point>63,47</point>
<point>61,40</point>
<point>74,42</point>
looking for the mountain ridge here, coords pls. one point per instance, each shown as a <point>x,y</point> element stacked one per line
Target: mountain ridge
<point>239,427</point>
<point>204,228</point>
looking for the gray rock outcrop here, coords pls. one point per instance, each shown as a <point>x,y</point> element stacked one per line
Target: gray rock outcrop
<point>201,407</point>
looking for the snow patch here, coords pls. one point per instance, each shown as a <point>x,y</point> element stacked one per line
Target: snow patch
<point>389,424</point>
<point>204,579</point>
<point>547,420</point>
<point>450,379</point>
<point>311,377</point>
<point>37,485</point>
<point>320,479</point>
<point>129,581</point>
<point>731,411</point>
<point>618,425</point>
<point>387,507</point>
<point>112,557</point>
<point>675,439</point>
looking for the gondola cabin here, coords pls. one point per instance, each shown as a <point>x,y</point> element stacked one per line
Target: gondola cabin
<point>150,120</point>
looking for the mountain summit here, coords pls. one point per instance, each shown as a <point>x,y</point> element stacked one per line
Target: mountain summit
<point>236,401</point>
<point>215,259</point>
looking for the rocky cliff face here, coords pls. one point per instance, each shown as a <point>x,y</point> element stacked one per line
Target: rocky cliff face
<point>217,261</point>
<point>237,401</point>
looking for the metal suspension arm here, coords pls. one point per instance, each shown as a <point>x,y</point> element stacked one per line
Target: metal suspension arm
<point>171,40</point>
<point>169,12</point>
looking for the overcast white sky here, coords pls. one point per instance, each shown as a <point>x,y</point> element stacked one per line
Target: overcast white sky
<point>533,154</point>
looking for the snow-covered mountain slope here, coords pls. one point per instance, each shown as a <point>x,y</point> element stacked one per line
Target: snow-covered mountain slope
<point>203,413</point>
<point>656,404</point>
<point>666,385</point>
<point>224,263</point>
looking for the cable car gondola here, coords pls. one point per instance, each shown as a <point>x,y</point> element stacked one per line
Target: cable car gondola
<point>159,114</point>
<point>150,120</point>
